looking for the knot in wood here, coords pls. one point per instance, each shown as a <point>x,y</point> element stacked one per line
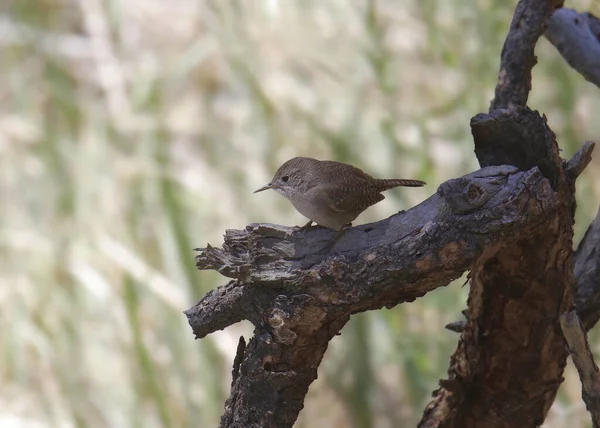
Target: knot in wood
<point>463,195</point>
<point>472,191</point>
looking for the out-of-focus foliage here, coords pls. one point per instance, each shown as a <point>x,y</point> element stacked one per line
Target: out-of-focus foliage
<point>133,131</point>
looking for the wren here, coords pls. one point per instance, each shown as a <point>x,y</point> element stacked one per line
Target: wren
<point>331,194</point>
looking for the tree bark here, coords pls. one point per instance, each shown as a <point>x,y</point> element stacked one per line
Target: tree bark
<point>577,38</point>
<point>584,362</point>
<point>298,298</point>
<point>587,271</point>
<point>510,224</point>
<point>511,355</point>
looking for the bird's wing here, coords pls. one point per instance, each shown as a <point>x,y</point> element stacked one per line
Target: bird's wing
<point>336,172</point>
<point>341,196</point>
<point>346,199</point>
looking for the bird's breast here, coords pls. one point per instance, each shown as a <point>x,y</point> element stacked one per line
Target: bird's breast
<point>320,212</point>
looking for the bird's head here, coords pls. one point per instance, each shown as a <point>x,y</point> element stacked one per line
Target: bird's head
<point>291,177</point>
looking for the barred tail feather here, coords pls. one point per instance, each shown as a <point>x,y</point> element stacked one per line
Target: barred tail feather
<point>386,184</point>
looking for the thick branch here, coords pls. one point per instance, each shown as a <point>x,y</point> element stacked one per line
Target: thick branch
<point>511,355</point>
<point>577,38</point>
<point>299,298</point>
<point>587,271</point>
<point>584,362</point>
<point>587,256</point>
<point>511,225</point>
<point>517,60</point>
<point>423,248</point>
<point>220,308</point>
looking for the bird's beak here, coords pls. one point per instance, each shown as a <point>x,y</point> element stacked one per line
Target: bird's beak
<point>265,187</point>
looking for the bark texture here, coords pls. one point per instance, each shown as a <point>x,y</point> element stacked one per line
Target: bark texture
<point>517,59</point>
<point>510,224</point>
<point>298,299</point>
<point>587,271</point>
<point>577,38</point>
<point>511,355</point>
<point>584,362</point>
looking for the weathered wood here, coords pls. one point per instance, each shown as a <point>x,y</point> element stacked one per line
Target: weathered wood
<point>517,58</point>
<point>577,37</point>
<point>519,137</point>
<point>587,271</point>
<point>580,160</point>
<point>587,256</point>
<point>298,298</point>
<point>510,225</point>
<point>584,362</point>
<point>511,354</point>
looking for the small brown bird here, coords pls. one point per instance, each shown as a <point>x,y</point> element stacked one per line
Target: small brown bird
<point>332,194</point>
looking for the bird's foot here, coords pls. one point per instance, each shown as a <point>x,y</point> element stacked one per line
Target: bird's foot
<point>337,236</point>
<point>307,226</point>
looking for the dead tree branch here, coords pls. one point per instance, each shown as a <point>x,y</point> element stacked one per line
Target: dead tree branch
<point>298,299</point>
<point>509,361</point>
<point>584,362</point>
<point>577,38</point>
<point>587,271</point>
<point>517,58</point>
<point>512,226</point>
<point>511,355</point>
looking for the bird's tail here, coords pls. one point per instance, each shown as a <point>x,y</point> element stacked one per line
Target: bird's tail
<point>385,184</point>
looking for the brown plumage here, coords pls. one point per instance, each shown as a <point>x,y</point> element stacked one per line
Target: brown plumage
<point>330,193</point>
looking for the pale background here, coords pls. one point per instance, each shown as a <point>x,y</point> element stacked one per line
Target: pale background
<point>133,131</point>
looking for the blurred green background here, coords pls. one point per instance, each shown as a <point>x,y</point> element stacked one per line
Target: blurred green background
<point>134,131</point>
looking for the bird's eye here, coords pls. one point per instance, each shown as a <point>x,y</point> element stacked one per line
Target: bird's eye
<point>285,178</point>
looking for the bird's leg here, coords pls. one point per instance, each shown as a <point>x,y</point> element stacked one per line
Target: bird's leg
<point>337,236</point>
<point>298,229</point>
<point>306,226</point>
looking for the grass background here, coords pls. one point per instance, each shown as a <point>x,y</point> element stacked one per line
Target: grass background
<point>134,131</point>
